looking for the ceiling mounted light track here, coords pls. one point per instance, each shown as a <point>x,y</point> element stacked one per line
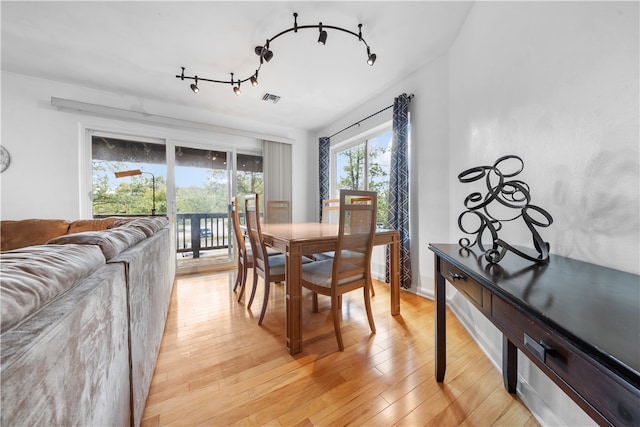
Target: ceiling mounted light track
<point>265,54</point>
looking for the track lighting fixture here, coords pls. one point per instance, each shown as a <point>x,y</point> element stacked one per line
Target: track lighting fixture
<point>236,89</point>
<point>371,57</point>
<point>194,86</point>
<point>322,39</point>
<point>265,54</point>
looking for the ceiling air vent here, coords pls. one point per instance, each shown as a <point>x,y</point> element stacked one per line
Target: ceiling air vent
<point>271,98</point>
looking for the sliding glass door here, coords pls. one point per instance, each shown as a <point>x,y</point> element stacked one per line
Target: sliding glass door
<point>191,185</point>
<point>202,192</point>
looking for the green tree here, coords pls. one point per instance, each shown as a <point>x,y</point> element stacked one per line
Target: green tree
<point>135,197</point>
<point>249,182</point>
<point>378,177</point>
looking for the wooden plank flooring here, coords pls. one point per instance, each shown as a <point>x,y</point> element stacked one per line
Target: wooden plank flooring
<point>217,367</point>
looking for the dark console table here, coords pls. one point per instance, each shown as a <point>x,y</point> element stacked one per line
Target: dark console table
<point>578,322</point>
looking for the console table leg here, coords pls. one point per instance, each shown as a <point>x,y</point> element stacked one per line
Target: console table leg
<point>441,338</point>
<point>509,364</point>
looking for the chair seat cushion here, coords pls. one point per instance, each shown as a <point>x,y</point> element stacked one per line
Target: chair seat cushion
<point>320,273</point>
<point>271,251</point>
<point>345,255</point>
<point>323,256</point>
<point>278,264</point>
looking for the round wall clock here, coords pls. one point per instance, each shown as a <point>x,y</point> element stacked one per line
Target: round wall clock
<point>5,159</point>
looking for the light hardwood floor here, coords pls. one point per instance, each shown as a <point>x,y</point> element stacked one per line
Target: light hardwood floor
<point>217,367</point>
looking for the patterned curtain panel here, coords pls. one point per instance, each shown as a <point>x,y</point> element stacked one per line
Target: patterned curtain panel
<point>398,216</point>
<point>323,161</point>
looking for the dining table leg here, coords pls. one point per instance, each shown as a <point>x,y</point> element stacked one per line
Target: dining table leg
<point>294,298</point>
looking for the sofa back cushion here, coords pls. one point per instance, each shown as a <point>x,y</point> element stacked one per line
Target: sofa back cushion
<point>29,232</point>
<point>111,242</point>
<point>98,224</point>
<point>33,276</point>
<point>148,225</point>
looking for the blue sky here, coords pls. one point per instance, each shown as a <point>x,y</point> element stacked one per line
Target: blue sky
<point>185,176</point>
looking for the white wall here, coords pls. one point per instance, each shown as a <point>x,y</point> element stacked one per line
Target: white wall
<point>557,84</point>
<point>46,145</point>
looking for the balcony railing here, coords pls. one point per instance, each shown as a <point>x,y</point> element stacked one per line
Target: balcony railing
<point>197,232</point>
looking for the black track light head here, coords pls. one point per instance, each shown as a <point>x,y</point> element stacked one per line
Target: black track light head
<point>263,52</point>
<point>254,79</point>
<point>236,89</point>
<point>322,39</point>
<point>371,57</point>
<point>194,86</point>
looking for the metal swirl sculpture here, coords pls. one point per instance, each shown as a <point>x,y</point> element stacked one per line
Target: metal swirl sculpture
<point>512,193</point>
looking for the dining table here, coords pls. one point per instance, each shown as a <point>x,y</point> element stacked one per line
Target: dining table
<point>296,240</point>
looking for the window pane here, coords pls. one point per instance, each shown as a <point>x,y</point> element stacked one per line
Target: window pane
<point>249,180</point>
<point>379,162</point>
<point>353,172</point>
<point>201,181</point>
<point>350,168</point>
<point>134,193</point>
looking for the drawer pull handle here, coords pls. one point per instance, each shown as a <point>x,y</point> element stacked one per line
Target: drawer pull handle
<point>539,349</point>
<point>454,276</point>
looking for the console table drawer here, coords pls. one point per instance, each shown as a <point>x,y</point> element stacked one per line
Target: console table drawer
<point>617,400</point>
<point>469,287</point>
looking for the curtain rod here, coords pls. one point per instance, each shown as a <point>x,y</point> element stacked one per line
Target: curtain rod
<point>368,117</point>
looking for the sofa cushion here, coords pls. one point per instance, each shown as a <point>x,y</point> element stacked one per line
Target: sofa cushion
<point>81,225</point>
<point>33,276</point>
<point>111,242</point>
<point>148,225</point>
<point>29,232</point>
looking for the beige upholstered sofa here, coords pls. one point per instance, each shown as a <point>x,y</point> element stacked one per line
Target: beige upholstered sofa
<point>83,306</point>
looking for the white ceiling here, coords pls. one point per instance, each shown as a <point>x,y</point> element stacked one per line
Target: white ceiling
<point>137,48</point>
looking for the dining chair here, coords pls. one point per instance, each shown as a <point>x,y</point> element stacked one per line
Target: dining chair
<point>331,215</point>
<point>278,212</point>
<point>350,267</point>
<point>330,211</point>
<point>245,254</point>
<point>270,268</point>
